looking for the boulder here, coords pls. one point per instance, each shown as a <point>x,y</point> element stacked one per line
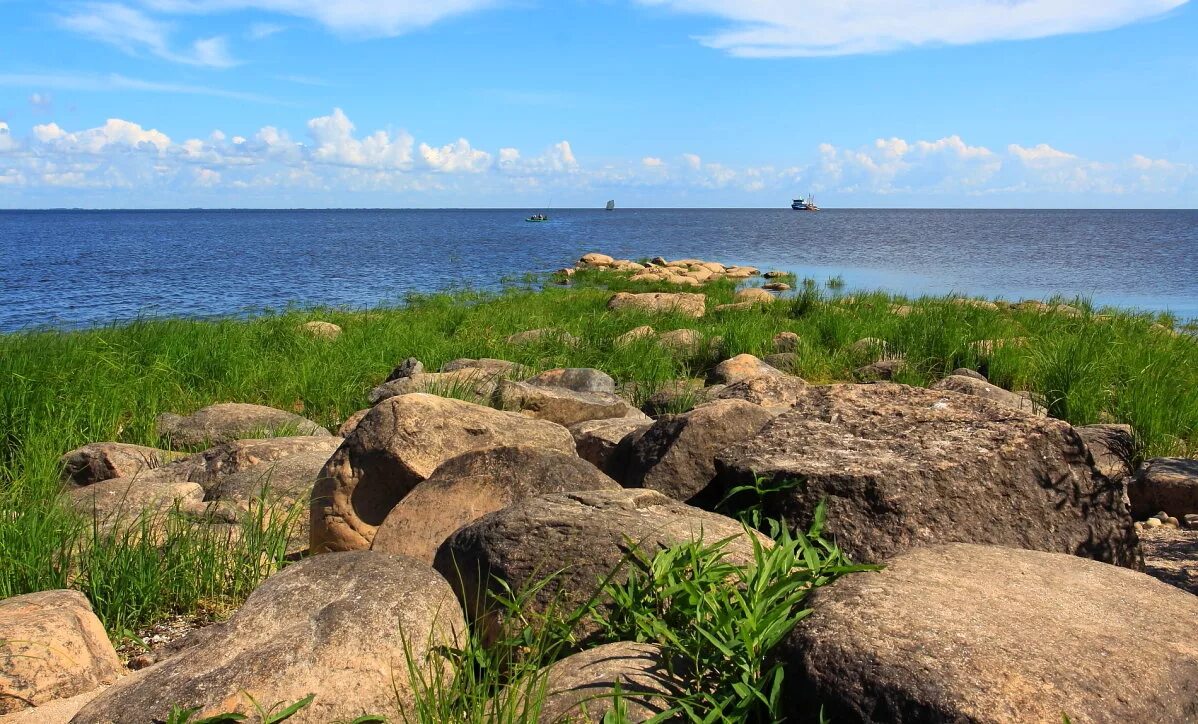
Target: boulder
<point>1165,484</point>
<point>579,379</point>
<point>971,633</point>
<point>57,711</point>
<point>679,396</point>
<point>903,466</point>
<point>400,443</point>
<point>119,500</point>
<point>1113,448</point>
<point>320,330</point>
<point>740,367</point>
<point>754,295</point>
<point>776,287</point>
<point>1171,554</point>
<point>965,372</point>
<point>471,485</point>
<point>497,367</point>
<point>342,627</point>
<point>981,388</point>
<point>582,687</point>
<point>52,646</point>
<point>638,333</point>
<point>676,456</point>
<point>774,274</point>
<point>351,423</point>
<point>542,335</point>
<point>691,305</point>
<point>785,361</point>
<point>688,341</point>
<point>786,342</point>
<point>595,259</point>
<point>883,369</point>
<point>101,461</point>
<point>410,367</point>
<point>215,466</point>
<point>584,537</point>
<point>598,440</point>
<point>775,392</point>
<point>734,307</point>
<point>215,424</point>
<point>559,404</point>
<point>473,385</point>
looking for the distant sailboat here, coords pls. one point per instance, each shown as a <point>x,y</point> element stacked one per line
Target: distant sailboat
<point>611,205</point>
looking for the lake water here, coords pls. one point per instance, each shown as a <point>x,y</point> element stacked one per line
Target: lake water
<point>79,268</point>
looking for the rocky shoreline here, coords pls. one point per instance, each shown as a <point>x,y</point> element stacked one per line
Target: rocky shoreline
<point>1032,569</point>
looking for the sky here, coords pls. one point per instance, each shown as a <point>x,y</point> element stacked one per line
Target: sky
<point>569,103</point>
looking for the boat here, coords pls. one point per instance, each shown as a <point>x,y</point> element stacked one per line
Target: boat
<point>611,205</point>
<point>538,217</point>
<point>804,204</point>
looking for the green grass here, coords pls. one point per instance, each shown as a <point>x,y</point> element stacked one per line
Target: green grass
<point>59,390</point>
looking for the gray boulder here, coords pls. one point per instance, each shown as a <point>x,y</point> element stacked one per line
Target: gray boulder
<point>559,404</point>
<point>579,379</point>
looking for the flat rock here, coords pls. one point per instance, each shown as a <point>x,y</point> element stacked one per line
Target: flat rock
<point>559,404</point>
<point>583,686</point>
<point>883,369</point>
<point>903,466</point>
<point>473,484</point>
<point>753,295</point>
<point>340,626</point>
<point>596,259</point>
<point>101,461</point>
<point>499,367</point>
<point>586,536</point>
<point>775,392</point>
<point>471,384</point>
<point>740,367</point>
<point>1113,448</point>
<point>676,456</point>
<point>579,379</point>
<point>970,633</point>
<point>227,421</point>
<point>597,441</point>
<point>119,500</point>
<point>400,443</point>
<point>691,305</point>
<point>1168,484</point>
<point>52,646</point>
<point>1171,555</point>
<point>982,388</point>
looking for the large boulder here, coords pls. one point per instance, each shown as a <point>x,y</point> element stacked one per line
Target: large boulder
<point>583,687</point>
<point>579,379</point>
<point>679,396</point>
<point>902,466</point>
<point>981,388</point>
<point>52,646</point>
<point>582,537</point>
<point>691,305</point>
<point>559,404</point>
<point>1113,448</point>
<point>499,367</point>
<point>343,627</point>
<point>474,385</point>
<point>970,633</point>
<point>213,467</point>
<point>1165,484</point>
<point>101,461</point>
<point>598,440</point>
<point>770,391</point>
<point>121,500</point>
<point>227,421</point>
<point>473,484</point>
<point>754,295</point>
<point>676,456</point>
<point>740,367</point>
<point>400,443</point>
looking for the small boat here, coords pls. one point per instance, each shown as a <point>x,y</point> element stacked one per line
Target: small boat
<point>611,205</point>
<point>538,217</point>
<point>804,204</point>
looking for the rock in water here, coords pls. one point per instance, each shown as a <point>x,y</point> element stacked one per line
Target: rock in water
<point>230,421</point>
<point>399,443</point>
<point>691,305</point>
<point>970,633</point>
<point>473,484</point>
<point>902,466</point>
<point>339,626</point>
<point>1168,484</point>
<point>51,647</point>
<point>559,404</point>
<point>584,535</point>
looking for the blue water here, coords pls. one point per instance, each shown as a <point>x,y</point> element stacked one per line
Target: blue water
<point>80,268</point>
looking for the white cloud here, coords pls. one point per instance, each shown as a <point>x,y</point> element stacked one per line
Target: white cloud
<point>335,143</point>
<point>134,32</point>
<point>115,132</point>
<point>41,102</point>
<point>6,140</point>
<point>1041,155</point>
<point>367,18</point>
<point>261,31</point>
<point>456,157</point>
<point>651,162</point>
<point>693,161</point>
<point>776,28</point>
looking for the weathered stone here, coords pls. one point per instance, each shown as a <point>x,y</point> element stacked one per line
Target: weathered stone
<point>776,287</point>
<point>584,536</point>
<point>774,274</point>
<point>410,367</point>
<point>994,393</point>
<point>220,423</point>
<point>214,468</point>
<point>1112,446</point>
<point>883,369</point>
<point>351,423</point>
<point>598,440</point>
<point>111,502</point>
<point>541,335</point>
<point>473,385</point>
<point>676,456</point>
<point>1166,484</point>
<point>692,305</point>
<point>970,633</point>
<point>682,340</point>
<point>785,361</point>
<point>596,259</point>
<point>52,646</point>
<point>868,347</point>
<point>902,466</point>
<point>101,461</point>
<point>583,687</point>
<point>734,307</point>
<point>497,367</point>
<point>754,295</point>
<point>1171,555</point>
<point>471,485</point>
<point>774,392</point>
<point>343,627</point>
<point>321,330</point>
<point>786,342</point>
<point>633,335</point>
<point>400,443</point>
<point>965,372</point>
<point>679,396</point>
<point>579,379</point>
<point>57,711</point>
<point>740,367</point>
<point>559,404</point>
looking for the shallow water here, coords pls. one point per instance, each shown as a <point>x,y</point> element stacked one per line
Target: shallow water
<point>73,268</point>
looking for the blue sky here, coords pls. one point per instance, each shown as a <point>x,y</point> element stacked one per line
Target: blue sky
<point>403,103</point>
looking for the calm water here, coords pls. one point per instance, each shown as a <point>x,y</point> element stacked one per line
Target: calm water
<point>71,268</point>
